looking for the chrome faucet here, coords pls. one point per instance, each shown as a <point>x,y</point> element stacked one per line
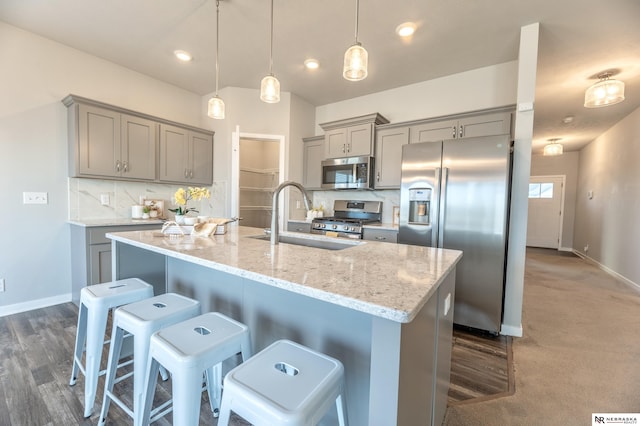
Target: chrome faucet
<point>274,206</point>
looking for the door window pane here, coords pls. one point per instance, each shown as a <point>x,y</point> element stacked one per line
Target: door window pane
<point>541,190</point>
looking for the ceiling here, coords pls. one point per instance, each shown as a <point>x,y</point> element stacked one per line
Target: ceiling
<point>578,39</point>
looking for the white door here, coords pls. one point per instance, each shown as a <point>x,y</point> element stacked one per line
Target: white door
<point>545,211</point>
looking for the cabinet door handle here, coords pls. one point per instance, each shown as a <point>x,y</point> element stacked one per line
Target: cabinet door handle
<point>343,148</point>
<point>378,176</point>
<point>125,166</point>
<point>190,174</point>
<point>454,132</point>
<point>348,147</point>
<point>186,173</point>
<point>460,132</point>
<point>118,166</point>
<point>381,238</point>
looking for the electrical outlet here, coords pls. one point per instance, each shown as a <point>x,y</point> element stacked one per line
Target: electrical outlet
<point>586,248</point>
<point>104,199</point>
<point>1,285</point>
<point>35,198</point>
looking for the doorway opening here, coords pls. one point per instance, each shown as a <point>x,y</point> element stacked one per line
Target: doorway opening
<point>257,169</point>
<point>546,211</point>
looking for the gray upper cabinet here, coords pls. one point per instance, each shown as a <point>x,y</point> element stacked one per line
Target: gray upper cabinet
<point>464,127</point>
<point>388,157</point>
<point>110,144</point>
<point>186,156</point>
<point>313,155</point>
<point>106,141</point>
<point>138,144</point>
<point>351,137</point>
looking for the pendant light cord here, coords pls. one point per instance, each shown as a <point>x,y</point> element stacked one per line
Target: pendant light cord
<point>357,13</point>
<point>217,42</point>
<point>271,47</point>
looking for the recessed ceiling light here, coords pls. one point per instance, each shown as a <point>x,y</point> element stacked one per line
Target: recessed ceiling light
<point>405,30</point>
<point>311,64</point>
<point>183,55</point>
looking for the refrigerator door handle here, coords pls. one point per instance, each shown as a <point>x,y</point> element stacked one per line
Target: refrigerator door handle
<point>442,206</point>
<point>435,213</point>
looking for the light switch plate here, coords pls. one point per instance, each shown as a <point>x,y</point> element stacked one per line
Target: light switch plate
<point>104,199</point>
<point>35,198</point>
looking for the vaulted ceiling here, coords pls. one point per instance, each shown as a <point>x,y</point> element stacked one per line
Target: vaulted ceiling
<point>578,39</point>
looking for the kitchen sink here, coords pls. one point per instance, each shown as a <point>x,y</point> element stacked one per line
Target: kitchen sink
<point>315,241</point>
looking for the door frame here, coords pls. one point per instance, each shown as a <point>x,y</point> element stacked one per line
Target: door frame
<point>283,170</point>
<point>562,195</point>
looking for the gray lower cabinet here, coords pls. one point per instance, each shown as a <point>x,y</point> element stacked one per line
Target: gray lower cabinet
<point>91,254</point>
<point>313,154</point>
<point>383,235</point>
<point>293,226</point>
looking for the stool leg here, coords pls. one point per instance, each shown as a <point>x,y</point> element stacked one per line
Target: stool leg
<point>96,326</point>
<point>342,410</point>
<point>81,337</point>
<point>225,412</point>
<point>214,387</point>
<point>187,391</point>
<point>151,380</point>
<point>140,355</point>
<point>114,357</point>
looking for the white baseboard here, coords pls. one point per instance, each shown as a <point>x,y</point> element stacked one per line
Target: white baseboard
<point>34,304</point>
<point>607,269</point>
<point>569,249</point>
<point>510,330</point>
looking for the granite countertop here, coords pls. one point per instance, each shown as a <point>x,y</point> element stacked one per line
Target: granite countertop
<point>114,222</point>
<point>392,281</point>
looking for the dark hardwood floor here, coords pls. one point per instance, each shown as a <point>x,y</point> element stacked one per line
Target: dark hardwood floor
<point>36,350</point>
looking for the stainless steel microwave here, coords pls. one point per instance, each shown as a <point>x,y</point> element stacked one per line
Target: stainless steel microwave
<point>348,173</point>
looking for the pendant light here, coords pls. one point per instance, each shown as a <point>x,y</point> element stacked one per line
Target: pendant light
<point>605,92</point>
<point>553,147</point>
<point>270,86</point>
<point>356,57</point>
<point>215,108</point>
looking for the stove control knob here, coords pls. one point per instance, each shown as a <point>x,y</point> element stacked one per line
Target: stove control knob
<point>353,228</point>
<point>334,226</point>
<point>346,227</point>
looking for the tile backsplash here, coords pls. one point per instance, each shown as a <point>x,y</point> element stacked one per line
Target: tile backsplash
<point>85,198</point>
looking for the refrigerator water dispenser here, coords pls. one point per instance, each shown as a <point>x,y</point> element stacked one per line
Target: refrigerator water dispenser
<point>419,206</point>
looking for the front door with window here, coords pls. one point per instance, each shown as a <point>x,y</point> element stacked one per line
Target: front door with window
<point>545,211</point>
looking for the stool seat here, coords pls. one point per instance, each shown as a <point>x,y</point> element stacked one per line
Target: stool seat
<point>188,350</point>
<point>141,319</point>
<point>284,384</point>
<point>95,303</point>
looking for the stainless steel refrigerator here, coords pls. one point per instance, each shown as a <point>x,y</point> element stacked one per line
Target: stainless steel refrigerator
<point>455,194</point>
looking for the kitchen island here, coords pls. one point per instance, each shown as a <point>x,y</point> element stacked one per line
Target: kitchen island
<point>384,310</point>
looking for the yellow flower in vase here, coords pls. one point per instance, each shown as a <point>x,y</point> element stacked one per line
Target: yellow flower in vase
<point>182,196</point>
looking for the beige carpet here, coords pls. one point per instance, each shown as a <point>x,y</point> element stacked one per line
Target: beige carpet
<point>580,352</point>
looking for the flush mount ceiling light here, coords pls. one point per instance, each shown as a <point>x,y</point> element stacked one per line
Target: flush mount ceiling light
<point>270,86</point>
<point>605,92</point>
<point>311,64</point>
<point>182,55</point>
<point>356,57</point>
<point>553,147</point>
<point>406,29</point>
<point>215,108</point>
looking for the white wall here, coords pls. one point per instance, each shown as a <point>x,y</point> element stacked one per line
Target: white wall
<point>608,222</point>
<point>567,165</point>
<point>35,76</point>
<point>493,86</point>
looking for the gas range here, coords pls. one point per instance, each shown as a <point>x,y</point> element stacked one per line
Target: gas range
<point>349,218</point>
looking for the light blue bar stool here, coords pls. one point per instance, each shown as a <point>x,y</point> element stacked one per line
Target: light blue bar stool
<point>189,350</point>
<point>141,319</point>
<point>284,384</point>
<point>95,303</point>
